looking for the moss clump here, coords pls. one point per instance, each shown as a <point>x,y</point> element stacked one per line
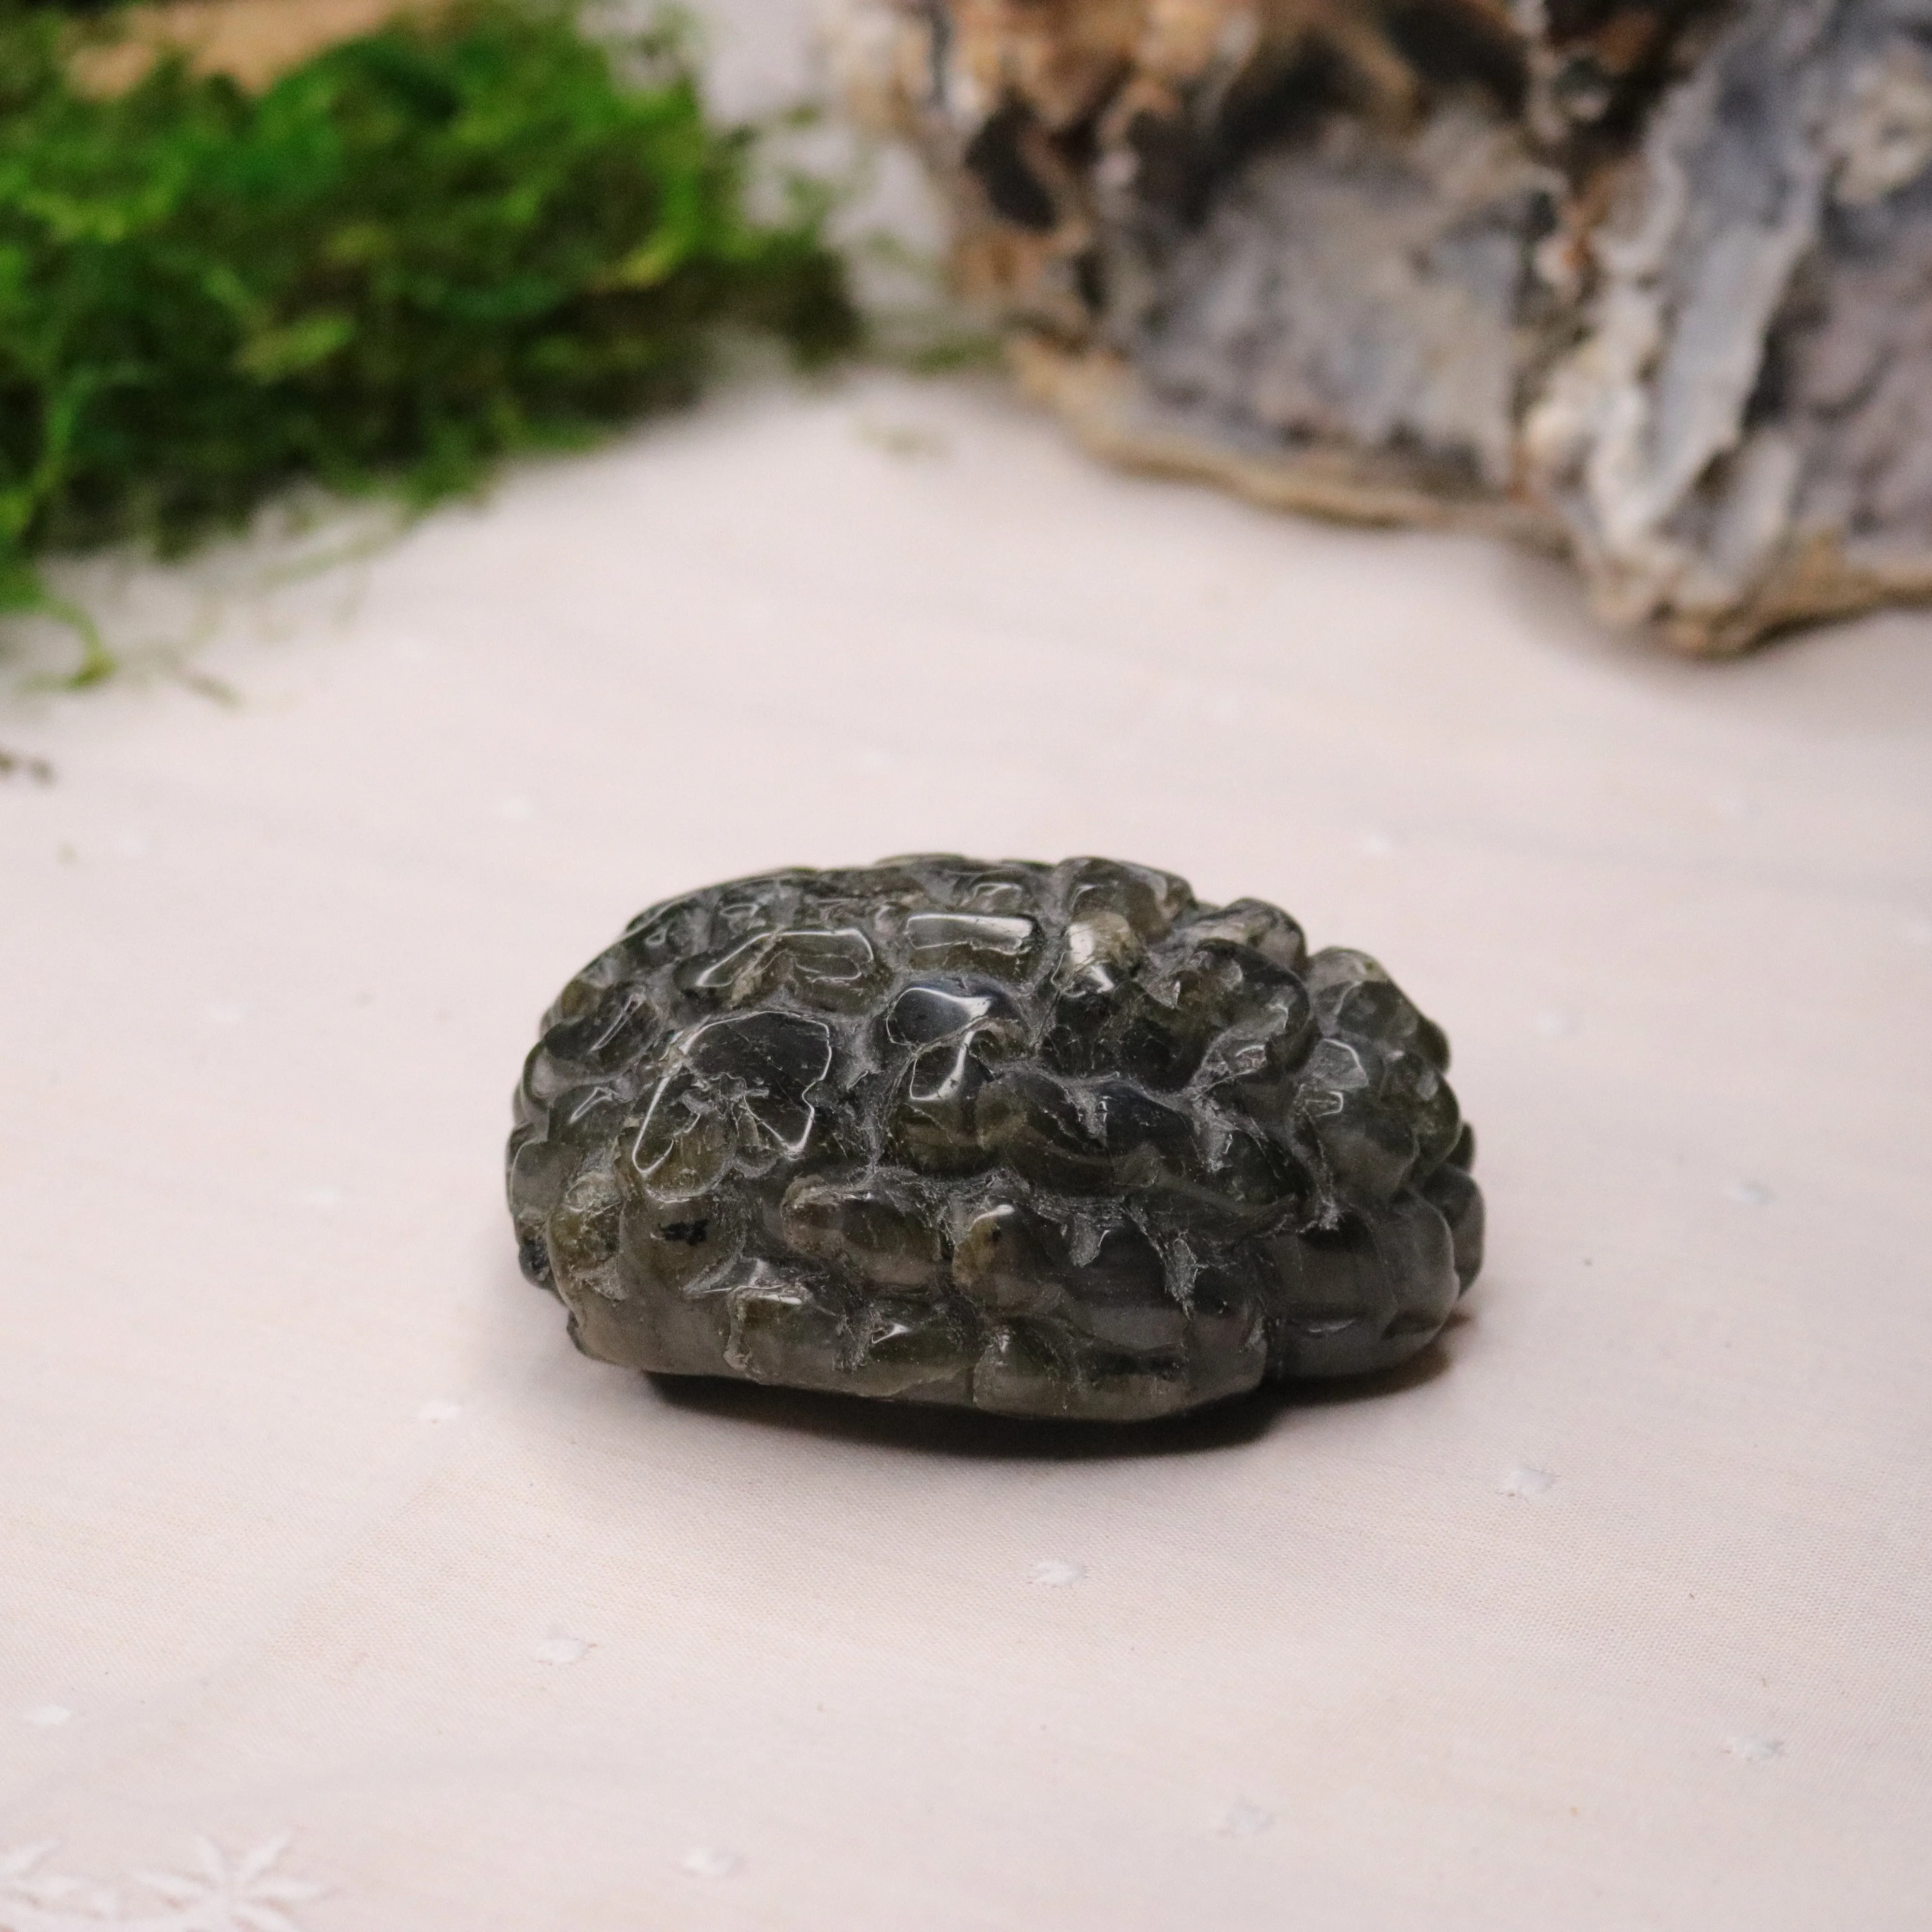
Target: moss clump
<point>421,251</point>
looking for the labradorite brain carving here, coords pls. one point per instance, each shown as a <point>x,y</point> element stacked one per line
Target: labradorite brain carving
<point>1045,1140</point>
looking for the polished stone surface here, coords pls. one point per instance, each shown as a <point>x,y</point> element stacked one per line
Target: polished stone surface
<point>1047,1142</point>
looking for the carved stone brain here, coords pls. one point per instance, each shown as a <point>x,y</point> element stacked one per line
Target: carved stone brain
<point>1044,1141</point>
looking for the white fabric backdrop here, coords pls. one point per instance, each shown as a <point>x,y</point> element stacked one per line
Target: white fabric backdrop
<point>1618,1615</point>
<point>314,1521</point>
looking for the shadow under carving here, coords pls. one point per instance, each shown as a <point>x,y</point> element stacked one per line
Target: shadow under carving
<point>972,1435</point>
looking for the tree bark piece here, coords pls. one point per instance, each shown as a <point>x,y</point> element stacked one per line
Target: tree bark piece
<point>1651,279</point>
<point>252,41</point>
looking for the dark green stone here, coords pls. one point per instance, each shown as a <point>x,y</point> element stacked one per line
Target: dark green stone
<point>1044,1141</point>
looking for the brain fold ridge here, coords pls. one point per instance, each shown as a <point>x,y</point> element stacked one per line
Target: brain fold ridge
<point>1045,1141</point>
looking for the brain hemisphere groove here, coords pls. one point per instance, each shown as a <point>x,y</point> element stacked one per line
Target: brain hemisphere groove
<point>1045,1141</point>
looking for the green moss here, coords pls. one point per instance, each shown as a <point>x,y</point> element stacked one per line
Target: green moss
<point>420,252</point>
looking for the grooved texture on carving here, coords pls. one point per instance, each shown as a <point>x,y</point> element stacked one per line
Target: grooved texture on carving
<point>1045,1140</point>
